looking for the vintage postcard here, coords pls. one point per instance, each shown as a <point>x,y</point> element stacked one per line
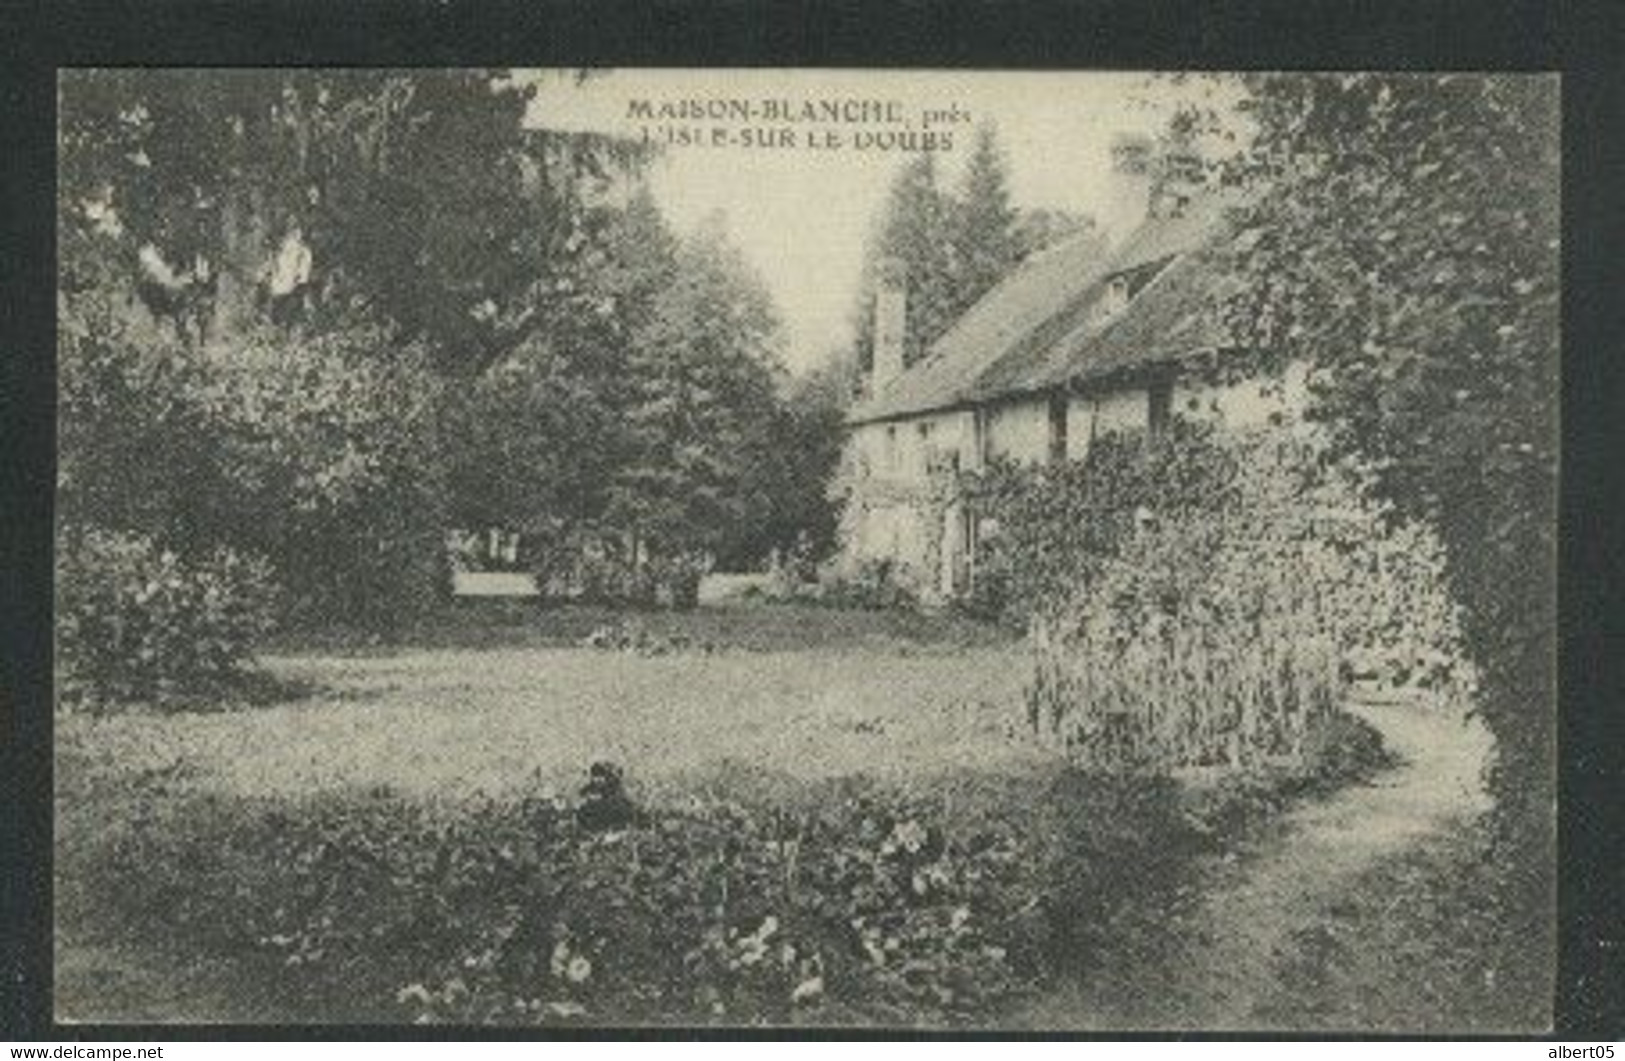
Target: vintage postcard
<point>1033,551</point>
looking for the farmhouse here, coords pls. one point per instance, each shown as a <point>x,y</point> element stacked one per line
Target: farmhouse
<point>1085,338</point>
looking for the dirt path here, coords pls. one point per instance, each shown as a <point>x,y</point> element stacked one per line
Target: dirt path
<point>1252,952</point>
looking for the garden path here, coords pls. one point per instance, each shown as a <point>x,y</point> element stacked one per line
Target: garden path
<point>1255,948</point>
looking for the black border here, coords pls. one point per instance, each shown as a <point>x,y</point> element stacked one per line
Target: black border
<point>1584,40</point>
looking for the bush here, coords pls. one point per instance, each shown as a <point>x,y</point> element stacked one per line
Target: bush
<point>838,902</point>
<point>318,451</point>
<point>870,584</point>
<point>858,905</point>
<point>1216,599</point>
<point>330,444</point>
<point>1047,530</point>
<point>1268,504</point>
<point>137,622</point>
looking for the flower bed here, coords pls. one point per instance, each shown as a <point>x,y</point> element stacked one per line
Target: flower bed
<point>842,902</point>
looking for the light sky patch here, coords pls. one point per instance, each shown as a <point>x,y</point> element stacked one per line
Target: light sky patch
<point>801,216</point>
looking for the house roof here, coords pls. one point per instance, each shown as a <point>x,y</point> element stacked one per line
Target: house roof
<point>993,327</point>
<point>1039,328</point>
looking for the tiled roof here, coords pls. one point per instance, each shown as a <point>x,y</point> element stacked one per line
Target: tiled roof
<point>1040,327</point>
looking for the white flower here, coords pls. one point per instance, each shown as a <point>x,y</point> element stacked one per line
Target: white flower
<point>413,993</point>
<point>910,835</point>
<point>579,969</point>
<point>565,1009</point>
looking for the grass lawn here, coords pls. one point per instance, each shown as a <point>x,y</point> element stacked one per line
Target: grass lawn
<point>859,784</point>
<point>803,691</point>
<point>770,704</point>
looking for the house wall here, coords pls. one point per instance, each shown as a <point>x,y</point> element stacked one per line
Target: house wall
<point>1128,409</point>
<point>899,452</point>
<point>892,530</point>
<point>947,435</point>
<point>891,513</point>
<point>1019,430</point>
<point>1248,403</point>
<point>1087,416</point>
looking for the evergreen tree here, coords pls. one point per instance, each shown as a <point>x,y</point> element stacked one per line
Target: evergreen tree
<point>955,248</point>
<point>985,242</point>
<point>914,227</point>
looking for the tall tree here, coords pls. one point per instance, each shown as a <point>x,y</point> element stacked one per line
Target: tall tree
<point>419,195</point>
<point>705,367</point>
<point>328,246</point>
<point>955,248</point>
<point>536,441</point>
<point>791,455</point>
<point>984,235</point>
<point>915,228</point>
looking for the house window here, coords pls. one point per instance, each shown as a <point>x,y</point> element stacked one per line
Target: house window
<point>969,529</point>
<point>1116,300</point>
<point>1126,285</point>
<point>1057,427</point>
<point>1161,397</point>
<point>983,440</point>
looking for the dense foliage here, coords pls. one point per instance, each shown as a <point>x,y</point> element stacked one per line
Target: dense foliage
<point>140,624</point>
<point>859,906</point>
<point>322,318</point>
<point>1202,598</point>
<point>314,452</point>
<point>841,902</point>
<point>1408,243</point>
<point>226,194</point>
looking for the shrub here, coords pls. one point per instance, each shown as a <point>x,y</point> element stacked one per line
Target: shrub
<point>1216,599</point>
<point>1370,582</point>
<point>138,622</point>
<point>858,905</point>
<point>329,442</point>
<point>1047,530</point>
<point>870,584</point>
<point>839,902</point>
<point>315,450</point>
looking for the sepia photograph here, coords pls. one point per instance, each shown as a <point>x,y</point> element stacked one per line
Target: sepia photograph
<point>961,550</point>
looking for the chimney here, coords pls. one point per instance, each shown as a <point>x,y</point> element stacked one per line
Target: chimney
<point>891,321</point>
<point>1180,176</point>
<point>1128,200</point>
